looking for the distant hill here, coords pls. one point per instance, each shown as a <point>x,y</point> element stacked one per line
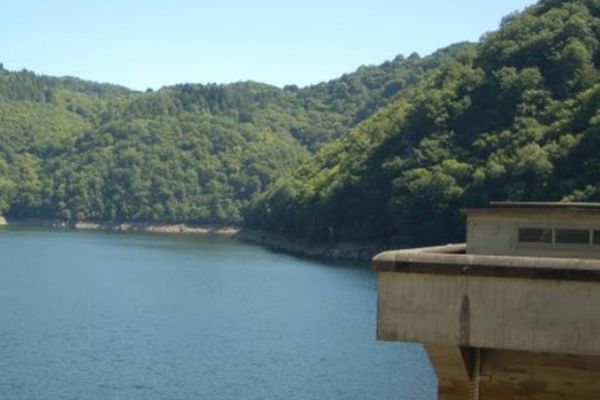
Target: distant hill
<point>515,118</point>
<point>73,149</point>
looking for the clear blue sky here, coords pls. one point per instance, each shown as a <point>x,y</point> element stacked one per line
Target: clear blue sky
<point>151,43</point>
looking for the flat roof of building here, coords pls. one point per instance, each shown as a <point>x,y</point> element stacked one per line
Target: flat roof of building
<point>539,204</point>
<point>502,206</point>
<point>453,260</point>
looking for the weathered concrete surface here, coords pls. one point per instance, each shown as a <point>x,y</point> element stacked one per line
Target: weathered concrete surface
<point>508,375</point>
<point>500,313</point>
<point>503,318</point>
<point>525,375</point>
<point>451,260</point>
<point>533,322</point>
<point>537,339</point>
<point>453,368</point>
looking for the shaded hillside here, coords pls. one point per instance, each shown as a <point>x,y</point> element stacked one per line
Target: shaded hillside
<point>515,119</point>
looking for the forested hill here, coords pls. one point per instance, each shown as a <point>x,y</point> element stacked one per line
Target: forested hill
<point>517,118</point>
<point>27,86</point>
<point>72,149</point>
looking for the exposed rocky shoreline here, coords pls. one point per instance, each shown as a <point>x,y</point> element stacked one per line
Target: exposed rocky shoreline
<point>286,244</point>
<point>333,251</point>
<point>155,228</point>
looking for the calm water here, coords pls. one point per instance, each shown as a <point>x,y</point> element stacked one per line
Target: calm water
<point>133,316</point>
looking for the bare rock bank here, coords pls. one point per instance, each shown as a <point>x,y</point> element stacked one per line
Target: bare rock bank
<point>334,250</point>
<point>158,228</point>
<point>277,242</point>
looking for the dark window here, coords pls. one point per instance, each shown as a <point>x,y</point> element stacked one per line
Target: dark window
<point>535,235</point>
<point>596,237</point>
<point>572,236</point>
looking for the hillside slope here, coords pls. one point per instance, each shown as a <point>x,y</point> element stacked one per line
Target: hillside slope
<point>73,150</point>
<point>515,119</point>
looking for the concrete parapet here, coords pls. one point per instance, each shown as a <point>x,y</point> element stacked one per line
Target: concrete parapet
<point>496,327</point>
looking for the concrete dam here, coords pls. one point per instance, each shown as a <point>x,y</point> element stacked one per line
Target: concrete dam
<point>514,313</point>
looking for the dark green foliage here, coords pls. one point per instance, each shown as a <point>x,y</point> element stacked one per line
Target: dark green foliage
<point>516,119</point>
<point>190,167</point>
<point>73,150</point>
<point>398,149</point>
<point>26,85</point>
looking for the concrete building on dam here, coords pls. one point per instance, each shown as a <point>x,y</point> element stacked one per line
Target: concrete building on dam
<point>512,314</point>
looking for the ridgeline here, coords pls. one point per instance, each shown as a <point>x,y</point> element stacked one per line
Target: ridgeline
<point>75,150</point>
<point>514,118</point>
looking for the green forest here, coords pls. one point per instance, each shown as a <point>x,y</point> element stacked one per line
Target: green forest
<point>517,117</point>
<point>75,150</point>
<point>387,153</point>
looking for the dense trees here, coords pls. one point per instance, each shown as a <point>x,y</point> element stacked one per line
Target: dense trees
<point>390,152</point>
<point>516,119</point>
<point>73,150</point>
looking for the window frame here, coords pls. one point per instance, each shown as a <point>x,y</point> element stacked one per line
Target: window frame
<point>592,230</point>
<point>518,236</point>
<point>561,228</point>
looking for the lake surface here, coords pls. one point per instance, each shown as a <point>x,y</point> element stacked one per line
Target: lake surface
<point>90,315</point>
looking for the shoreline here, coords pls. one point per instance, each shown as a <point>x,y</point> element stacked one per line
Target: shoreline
<point>341,251</point>
<point>347,251</point>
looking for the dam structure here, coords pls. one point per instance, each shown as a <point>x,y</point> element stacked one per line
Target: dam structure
<point>514,313</point>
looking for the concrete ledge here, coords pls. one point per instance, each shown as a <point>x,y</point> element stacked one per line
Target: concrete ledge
<point>502,207</point>
<point>545,205</point>
<point>452,260</point>
<point>539,315</point>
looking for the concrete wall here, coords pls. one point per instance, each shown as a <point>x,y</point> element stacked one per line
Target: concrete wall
<point>488,312</point>
<point>538,376</point>
<point>501,328</point>
<point>508,375</point>
<point>496,232</point>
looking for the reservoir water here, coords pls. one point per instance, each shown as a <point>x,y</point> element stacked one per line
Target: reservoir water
<point>90,315</point>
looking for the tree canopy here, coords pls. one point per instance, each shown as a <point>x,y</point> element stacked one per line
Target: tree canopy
<point>72,149</point>
<point>386,153</point>
<point>515,118</point>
